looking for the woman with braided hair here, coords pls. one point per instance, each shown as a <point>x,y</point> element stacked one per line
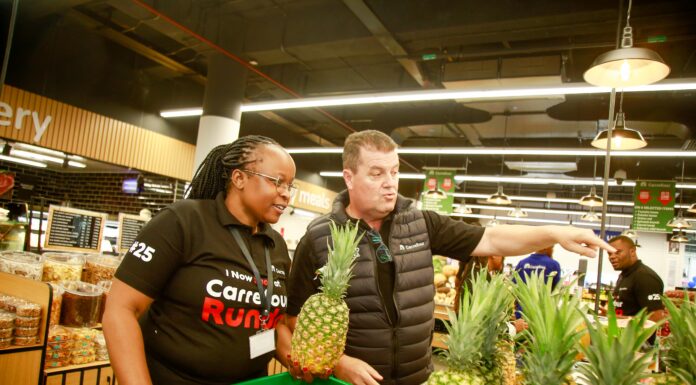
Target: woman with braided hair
<point>198,295</point>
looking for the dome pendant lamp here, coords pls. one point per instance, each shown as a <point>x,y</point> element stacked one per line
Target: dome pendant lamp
<point>627,66</point>
<point>622,138</point>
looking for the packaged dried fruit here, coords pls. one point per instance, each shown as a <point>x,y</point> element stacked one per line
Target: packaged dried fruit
<point>100,268</point>
<point>57,363</point>
<point>58,333</point>
<point>5,342</point>
<point>78,360</point>
<point>6,319</point>
<point>62,345</point>
<point>25,264</point>
<point>62,267</point>
<point>81,304</point>
<point>6,333</point>
<point>58,354</point>
<point>56,303</point>
<point>25,340</point>
<point>28,309</point>
<point>27,321</point>
<point>26,332</point>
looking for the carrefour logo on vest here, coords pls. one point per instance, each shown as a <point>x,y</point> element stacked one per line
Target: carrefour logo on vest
<point>411,247</point>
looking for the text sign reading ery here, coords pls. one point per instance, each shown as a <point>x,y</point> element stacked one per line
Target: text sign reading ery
<point>71,229</point>
<point>128,228</point>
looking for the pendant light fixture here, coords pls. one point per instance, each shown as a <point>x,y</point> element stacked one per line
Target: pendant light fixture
<point>679,237</point>
<point>492,223</point>
<point>627,66</point>
<point>630,233</point>
<point>679,222</point>
<point>592,199</point>
<point>518,212</point>
<point>591,216</point>
<point>499,198</point>
<point>463,208</point>
<point>622,138</point>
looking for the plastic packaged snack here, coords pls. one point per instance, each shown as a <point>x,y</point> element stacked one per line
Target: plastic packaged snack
<point>58,333</point>
<point>99,268</point>
<point>57,363</point>
<point>28,309</point>
<point>25,340</point>
<point>25,264</point>
<point>56,303</point>
<point>6,333</point>
<point>60,354</point>
<point>27,321</point>
<point>78,360</point>
<point>5,342</point>
<point>26,332</point>
<point>7,319</point>
<point>81,304</point>
<point>62,267</point>
<point>61,345</point>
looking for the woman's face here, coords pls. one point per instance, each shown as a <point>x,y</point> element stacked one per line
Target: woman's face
<point>266,191</point>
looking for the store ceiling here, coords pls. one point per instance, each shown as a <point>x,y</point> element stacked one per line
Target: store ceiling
<point>119,58</point>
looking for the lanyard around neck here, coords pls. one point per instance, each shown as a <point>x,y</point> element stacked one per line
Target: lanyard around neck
<point>266,296</point>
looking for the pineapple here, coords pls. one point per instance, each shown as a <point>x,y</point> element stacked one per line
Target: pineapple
<point>551,343</point>
<point>320,333</point>
<point>681,343</point>
<point>612,358</point>
<point>477,352</point>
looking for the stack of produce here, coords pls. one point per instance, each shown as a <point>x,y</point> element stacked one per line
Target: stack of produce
<point>322,325</point>
<point>551,341</point>
<point>678,296</point>
<point>444,281</point>
<point>479,351</point>
<point>612,357</point>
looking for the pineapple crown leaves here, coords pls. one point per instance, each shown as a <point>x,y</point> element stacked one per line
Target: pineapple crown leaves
<point>552,339</point>
<point>473,332</point>
<point>612,356</point>
<point>334,276</point>
<point>682,339</point>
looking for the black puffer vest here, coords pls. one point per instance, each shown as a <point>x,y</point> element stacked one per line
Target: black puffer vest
<point>399,351</point>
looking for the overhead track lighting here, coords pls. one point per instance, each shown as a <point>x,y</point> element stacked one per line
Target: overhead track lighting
<point>591,199</point>
<point>487,151</point>
<point>499,198</point>
<point>627,66</point>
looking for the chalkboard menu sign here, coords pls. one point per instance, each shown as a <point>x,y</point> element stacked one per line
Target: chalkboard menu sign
<point>72,229</point>
<point>128,228</point>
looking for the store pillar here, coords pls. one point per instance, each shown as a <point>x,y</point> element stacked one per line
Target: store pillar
<point>224,93</point>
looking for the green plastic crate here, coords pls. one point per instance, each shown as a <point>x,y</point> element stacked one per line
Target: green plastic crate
<point>286,378</point>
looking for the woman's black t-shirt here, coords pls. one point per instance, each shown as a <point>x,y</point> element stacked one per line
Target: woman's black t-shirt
<point>206,301</point>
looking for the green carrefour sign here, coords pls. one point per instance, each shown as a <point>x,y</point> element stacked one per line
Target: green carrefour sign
<point>438,190</point>
<point>653,205</point>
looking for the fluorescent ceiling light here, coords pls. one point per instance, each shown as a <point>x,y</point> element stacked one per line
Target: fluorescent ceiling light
<point>39,149</point>
<point>23,161</point>
<point>35,156</point>
<point>664,153</point>
<point>76,157</point>
<point>492,93</point>
<point>536,220</point>
<point>182,112</point>
<point>538,199</point>
<point>73,163</point>
<point>518,179</point>
<point>543,211</point>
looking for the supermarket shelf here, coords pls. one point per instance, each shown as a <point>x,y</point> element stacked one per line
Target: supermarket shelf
<point>76,368</point>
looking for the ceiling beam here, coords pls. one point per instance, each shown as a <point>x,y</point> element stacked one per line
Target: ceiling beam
<point>386,39</point>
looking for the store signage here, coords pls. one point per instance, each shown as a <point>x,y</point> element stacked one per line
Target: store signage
<point>8,117</point>
<point>312,197</point>
<point>72,229</point>
<point>438,190</point>
<point>653,205</point>
<point>128,228</point>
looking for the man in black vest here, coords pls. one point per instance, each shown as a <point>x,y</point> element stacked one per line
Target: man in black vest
<point>391,293</point>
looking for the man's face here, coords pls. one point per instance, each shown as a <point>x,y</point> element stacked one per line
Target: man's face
<point>624,257</point>
<point>374,184</point>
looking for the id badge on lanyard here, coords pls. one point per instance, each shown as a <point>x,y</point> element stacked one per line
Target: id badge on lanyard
<point>264,340</point>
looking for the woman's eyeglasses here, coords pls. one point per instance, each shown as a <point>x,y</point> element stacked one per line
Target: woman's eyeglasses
<point>281,186</point>
<point>383,253</point>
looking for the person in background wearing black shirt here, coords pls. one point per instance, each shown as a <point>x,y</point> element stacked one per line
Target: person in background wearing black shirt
<point>391,294</point>
<point>188,304</point>
<point>638,286</point>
